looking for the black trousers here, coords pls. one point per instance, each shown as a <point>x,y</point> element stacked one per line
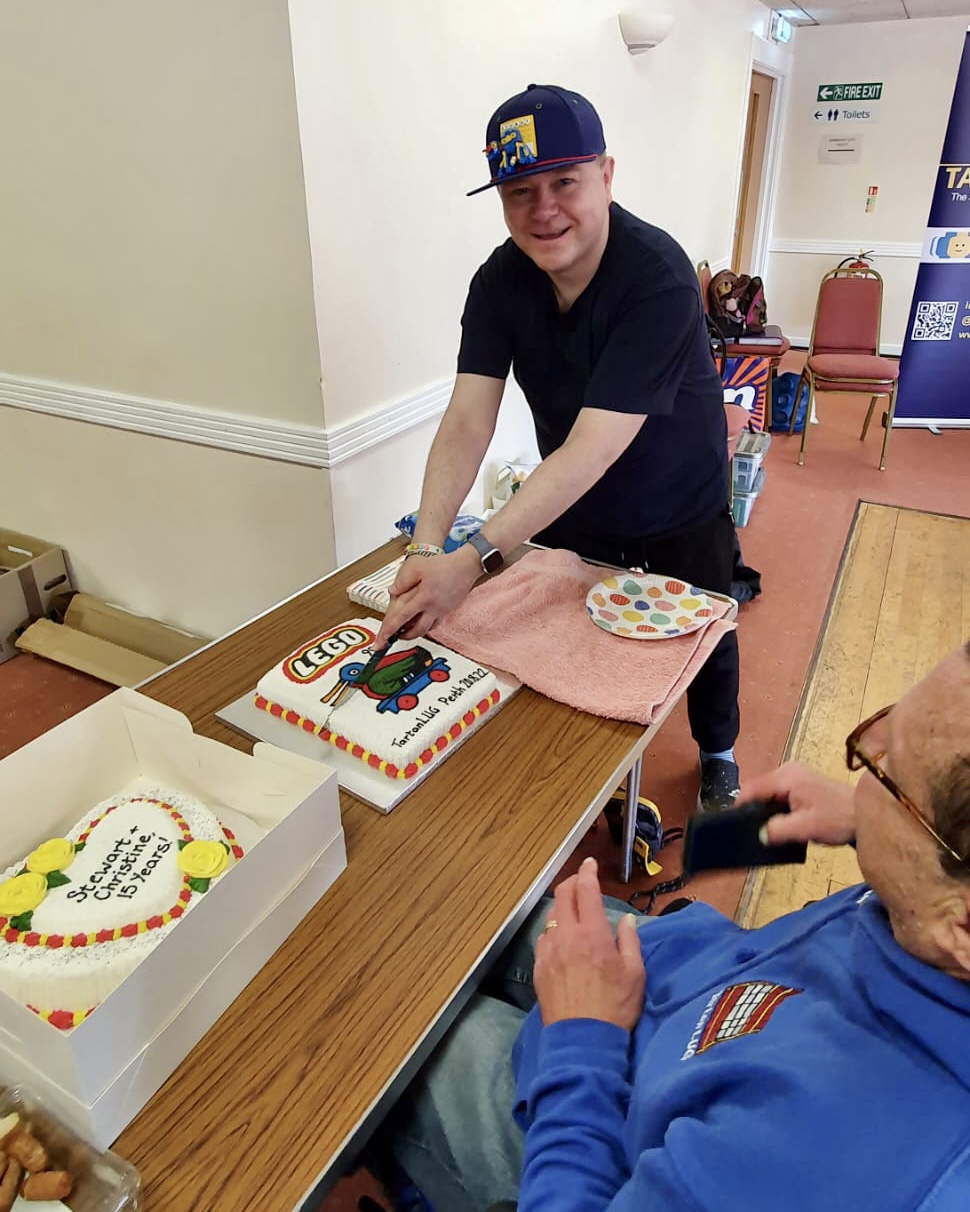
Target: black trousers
<point>703,555</point>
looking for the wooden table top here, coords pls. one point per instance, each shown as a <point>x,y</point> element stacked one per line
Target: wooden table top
<point>282,1090</point>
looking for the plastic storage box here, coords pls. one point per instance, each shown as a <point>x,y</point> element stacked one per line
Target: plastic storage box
<point>748,456</point>
<point>744,501</point>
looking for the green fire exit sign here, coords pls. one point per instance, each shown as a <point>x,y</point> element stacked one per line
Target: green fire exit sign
<point>849,92</point>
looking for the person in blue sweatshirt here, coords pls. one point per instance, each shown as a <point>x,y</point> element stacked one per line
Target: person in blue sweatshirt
<point>684,1064</point>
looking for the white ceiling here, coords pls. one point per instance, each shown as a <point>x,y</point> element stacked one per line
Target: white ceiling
<point>841,12</point>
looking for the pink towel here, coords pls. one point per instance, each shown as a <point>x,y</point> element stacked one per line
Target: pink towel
<point>532,622</point>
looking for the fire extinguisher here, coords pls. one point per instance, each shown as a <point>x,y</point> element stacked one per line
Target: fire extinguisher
<point>863,260</point>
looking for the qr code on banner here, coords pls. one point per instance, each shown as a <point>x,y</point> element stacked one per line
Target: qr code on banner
<point>934,321</point>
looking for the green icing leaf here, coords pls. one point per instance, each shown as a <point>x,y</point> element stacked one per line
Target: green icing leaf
<point>57,879</point>
<point>22,921</point>
<point>79,846</point>
<point>182,844</point>
<point>227,848</point>
<point>198,885</point>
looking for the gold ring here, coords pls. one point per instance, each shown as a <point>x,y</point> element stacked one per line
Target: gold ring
<point>551,924</point>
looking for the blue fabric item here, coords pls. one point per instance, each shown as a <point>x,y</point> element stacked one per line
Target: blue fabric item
<point>462,529</point>
<point>783,391</point>
<point>726,755</point>
<point>810,1063</point>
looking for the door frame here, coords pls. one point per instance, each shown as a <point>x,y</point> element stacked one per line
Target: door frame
<point>758,61</point>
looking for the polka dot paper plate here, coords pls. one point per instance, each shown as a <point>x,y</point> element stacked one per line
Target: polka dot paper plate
<point>645,606</point>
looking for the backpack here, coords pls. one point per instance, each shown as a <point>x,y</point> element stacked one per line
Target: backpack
<point>783,401</point>
<point>737,304</point>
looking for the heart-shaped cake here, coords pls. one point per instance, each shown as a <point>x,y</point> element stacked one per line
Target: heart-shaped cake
<point>80,911</point>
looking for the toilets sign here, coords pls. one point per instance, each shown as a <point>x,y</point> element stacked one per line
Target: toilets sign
<point>849,92</point>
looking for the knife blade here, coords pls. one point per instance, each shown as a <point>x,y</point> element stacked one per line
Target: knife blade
<point>365,673</point>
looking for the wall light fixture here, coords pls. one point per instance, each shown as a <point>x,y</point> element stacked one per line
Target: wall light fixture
<point>644,32</point>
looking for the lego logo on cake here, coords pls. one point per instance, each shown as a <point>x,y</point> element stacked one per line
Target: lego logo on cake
<point>316,657</point>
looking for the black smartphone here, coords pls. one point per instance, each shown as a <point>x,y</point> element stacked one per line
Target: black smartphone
<point>720,840</point>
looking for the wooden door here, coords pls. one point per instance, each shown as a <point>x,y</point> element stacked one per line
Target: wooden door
<point>752,168</point>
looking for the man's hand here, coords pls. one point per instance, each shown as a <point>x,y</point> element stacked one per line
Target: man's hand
<point>820,809</point>
<point>428,588</point>
<point>581,971</point>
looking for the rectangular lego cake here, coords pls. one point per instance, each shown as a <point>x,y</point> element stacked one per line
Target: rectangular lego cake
<point>420,698</point>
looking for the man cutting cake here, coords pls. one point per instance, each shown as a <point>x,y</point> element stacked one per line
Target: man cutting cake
<point>599,317</point>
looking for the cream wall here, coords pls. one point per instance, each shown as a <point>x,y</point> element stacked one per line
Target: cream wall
<point>200,538</point>
<point>819,205</point>
<point>155,245</point>
<point>152,179</point>
<point>393,101</point>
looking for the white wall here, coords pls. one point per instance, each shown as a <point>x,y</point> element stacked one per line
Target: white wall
<point>154,244</point>
<point>152,205</point>
<point>393,100</point>
<point>820,204</point>
<point>200,538</point>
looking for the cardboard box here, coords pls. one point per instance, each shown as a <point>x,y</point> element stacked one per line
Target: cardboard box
<point>32,572</point>
<point>108,642</point>
<point>285,813</point>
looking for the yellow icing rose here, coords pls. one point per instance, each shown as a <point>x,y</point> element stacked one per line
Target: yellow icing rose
<point>52,855</point>
<point>22,894</point>
<point>203,860</point>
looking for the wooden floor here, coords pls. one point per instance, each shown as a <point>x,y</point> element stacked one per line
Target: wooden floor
<point>901,602</point>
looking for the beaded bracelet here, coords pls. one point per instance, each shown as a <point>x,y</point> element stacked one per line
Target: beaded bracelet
<point>423,549</point>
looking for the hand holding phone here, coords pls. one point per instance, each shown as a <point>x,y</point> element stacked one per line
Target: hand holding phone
<point>722,841</point>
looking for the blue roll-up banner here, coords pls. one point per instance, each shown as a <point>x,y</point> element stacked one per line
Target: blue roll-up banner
<point>934,372</point>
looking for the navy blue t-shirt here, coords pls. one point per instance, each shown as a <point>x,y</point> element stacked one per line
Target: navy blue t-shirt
<point>634,341</point>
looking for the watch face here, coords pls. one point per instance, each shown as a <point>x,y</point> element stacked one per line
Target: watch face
<point>492,561</point>
<point>490,556</point>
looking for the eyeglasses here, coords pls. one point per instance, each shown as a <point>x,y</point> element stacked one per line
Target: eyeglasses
<point>856,759</point>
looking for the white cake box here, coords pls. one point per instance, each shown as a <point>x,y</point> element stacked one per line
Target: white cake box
<point>284,811</point>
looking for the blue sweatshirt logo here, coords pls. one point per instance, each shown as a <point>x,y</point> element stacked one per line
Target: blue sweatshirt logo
<point>735,1011</point>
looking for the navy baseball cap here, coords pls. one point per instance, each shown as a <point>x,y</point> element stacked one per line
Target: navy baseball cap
<point>539,129</point>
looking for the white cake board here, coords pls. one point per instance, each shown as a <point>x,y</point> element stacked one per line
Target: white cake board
<point>369,785</point>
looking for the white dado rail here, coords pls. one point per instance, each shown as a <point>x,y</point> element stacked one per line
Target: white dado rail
<point>844,248</point>
<point>286,441</point>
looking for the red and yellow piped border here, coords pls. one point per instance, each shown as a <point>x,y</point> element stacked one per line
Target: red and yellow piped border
<point>63,1020</point>
<point>374,760</point>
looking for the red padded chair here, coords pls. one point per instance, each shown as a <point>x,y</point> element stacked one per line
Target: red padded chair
<point>777,344</point>
<point>844,353</point>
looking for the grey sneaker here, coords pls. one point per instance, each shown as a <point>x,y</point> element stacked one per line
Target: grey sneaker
<point>720,785</point>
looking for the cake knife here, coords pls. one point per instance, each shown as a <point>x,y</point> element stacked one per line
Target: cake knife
<point>365,673</point>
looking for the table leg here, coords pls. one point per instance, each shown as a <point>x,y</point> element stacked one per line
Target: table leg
<point>630,818</point>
